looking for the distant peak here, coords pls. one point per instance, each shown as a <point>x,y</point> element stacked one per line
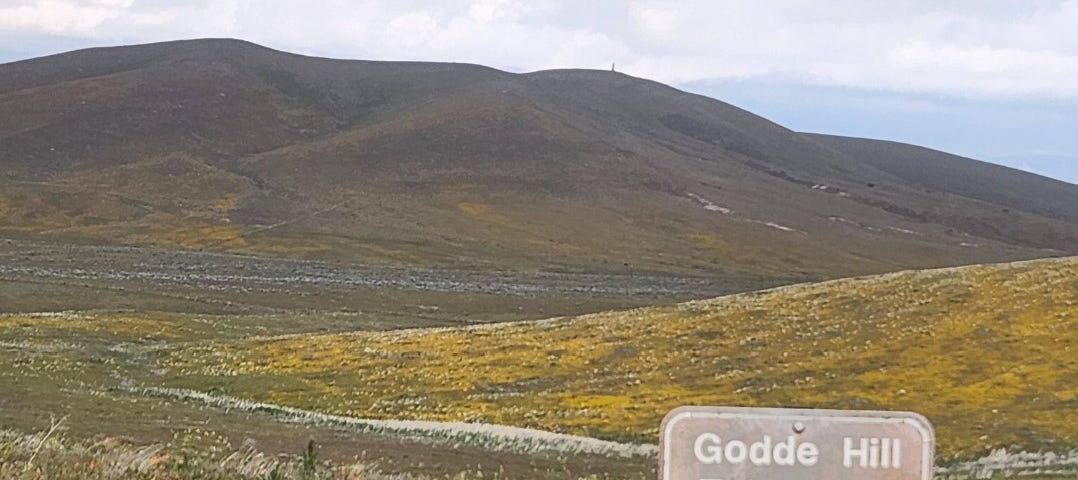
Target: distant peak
<point>197,45</point>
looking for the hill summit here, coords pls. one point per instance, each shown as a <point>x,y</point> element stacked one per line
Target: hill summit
<point>229,146</point>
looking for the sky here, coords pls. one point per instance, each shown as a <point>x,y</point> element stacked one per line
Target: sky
<point>989,79</point>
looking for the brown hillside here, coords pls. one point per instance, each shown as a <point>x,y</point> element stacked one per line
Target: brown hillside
<point>229,146</point>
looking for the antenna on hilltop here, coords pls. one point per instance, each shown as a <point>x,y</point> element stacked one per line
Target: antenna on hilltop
<point>611,66</point>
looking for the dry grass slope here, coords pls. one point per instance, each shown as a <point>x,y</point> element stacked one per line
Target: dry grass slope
<point>226,146</point>
<point>988,353</point>
<point>189,456</point>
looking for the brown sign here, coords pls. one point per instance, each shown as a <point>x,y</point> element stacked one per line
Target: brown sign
<point>720,443</point>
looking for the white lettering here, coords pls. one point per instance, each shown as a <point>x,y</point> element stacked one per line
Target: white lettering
<point>712,453</point>
<point>736,451</point>
<point>760,452</point>
<point>849,453</point>
<point>784,452</point>
<point>873,453</point>
<point>710,450</point>
<point>896,453</point>
<point>885,453</point>
<point>808,454</point>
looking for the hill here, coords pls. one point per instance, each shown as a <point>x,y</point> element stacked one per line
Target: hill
<point>985,352</point>
<point>987,183</point>
<point>227,146</point>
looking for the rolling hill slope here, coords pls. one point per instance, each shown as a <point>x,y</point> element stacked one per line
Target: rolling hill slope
<point>967,178</point>
<point>986,352</point>
<point>228,146</point>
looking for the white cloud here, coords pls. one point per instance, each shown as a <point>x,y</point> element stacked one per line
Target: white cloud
<point>71,17</point>
<point>654,18</point>
<point>971,48</point>
<point>114,3</point>
<point>50,16</point>
<point>993,71</point>
<point>486,11</point>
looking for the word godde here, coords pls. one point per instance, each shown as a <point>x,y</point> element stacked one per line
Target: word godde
<point>710,450</point>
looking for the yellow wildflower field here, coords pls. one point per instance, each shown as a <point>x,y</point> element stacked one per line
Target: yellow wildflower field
<point>988,353</point>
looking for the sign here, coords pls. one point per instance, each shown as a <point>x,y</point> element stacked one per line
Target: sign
<point>721,443</point>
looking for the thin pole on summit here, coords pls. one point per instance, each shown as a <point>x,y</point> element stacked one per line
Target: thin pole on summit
<point>611,66</point>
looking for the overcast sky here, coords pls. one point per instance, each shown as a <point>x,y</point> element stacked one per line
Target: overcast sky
<point>995,80</point>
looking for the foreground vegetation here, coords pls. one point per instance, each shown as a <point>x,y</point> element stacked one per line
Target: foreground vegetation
<point>986,352</point>
<point>96,369</point>
<point>197,455</point>
<point>204,455</point>
<point>192,455</point>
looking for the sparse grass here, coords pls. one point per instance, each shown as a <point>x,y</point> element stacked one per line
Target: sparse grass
<point>189,455</point>
<point>986,352</point>
<point>491,438</point>
<point>87,366</point>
